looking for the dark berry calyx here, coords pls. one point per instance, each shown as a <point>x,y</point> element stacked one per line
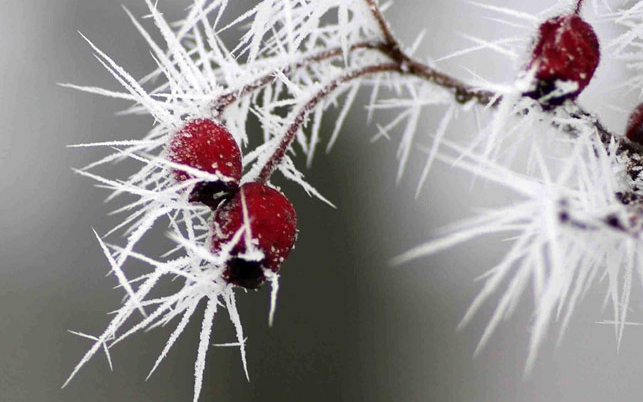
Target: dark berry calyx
<point>634,128</point>
<point>207,146</point>
<point>211,193</point>
<point>245,273</point>
<point>272,232</point>
<point>563,59</point>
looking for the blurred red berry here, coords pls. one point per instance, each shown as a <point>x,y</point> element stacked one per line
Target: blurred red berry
<point>566,51</point>
<point>208,146</point>
<point>634,129</point>
<point>273,227</point>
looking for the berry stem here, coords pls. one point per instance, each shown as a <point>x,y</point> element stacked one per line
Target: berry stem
<point>381,21</point>
<point>391,47</point>
<point>463,93</point>
<point>579,4</point>
<point>276,158</point>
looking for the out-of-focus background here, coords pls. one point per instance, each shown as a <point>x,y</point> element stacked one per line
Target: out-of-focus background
<point>348,325</point>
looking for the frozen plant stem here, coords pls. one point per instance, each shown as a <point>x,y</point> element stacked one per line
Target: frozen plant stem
<point>229,98</point>
<point>579,4</point>
<point>300,117</point>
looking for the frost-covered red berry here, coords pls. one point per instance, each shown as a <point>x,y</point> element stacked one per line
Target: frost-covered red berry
<point>208,146</point>
<point>564,58</point>
<point>634,128</point>
<point>273,230</point>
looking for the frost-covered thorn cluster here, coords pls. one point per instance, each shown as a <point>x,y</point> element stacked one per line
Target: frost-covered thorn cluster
<point>205,174</point>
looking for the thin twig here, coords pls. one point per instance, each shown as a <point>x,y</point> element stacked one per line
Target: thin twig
<point>289,136</point>
<point>228,98</point>
<point>579,4</point>
<point>463,93</point>
<point>381,21</point>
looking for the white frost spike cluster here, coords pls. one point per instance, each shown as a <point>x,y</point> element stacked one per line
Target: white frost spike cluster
<point>560,218</point>
<point>627,47</point>
<point>200,282</point>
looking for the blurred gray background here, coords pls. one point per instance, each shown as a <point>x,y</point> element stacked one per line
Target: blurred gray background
<point>348,326</point>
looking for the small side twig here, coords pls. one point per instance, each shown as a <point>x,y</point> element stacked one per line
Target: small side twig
<point>392,48</point>
<point>300,117</point>
<point>230,97</point>
<point>579,5</point>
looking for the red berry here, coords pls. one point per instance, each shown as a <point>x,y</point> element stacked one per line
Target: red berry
<point>208,146</point>
<point>567,50</point>
<point>634,129</point>
<point>273,227</point>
